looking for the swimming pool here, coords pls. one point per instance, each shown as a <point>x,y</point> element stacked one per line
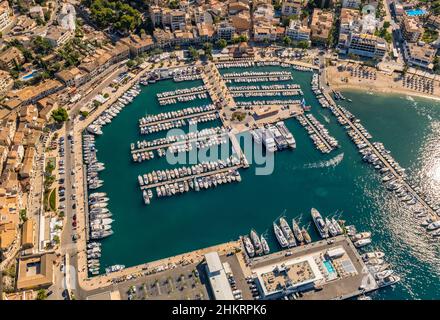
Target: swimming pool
<point>415,12</point>
<point>329,267</point>
<point>30,75</point>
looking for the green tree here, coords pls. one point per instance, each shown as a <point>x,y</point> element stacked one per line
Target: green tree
<point>41,294</point>
<point>60,115</point>
<point>194,54</point>
<point>287,41</point>
<point>222,43</point>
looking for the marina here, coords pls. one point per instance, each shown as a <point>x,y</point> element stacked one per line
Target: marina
<point>129,220</point>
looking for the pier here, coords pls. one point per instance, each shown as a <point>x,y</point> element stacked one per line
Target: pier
<point>188,116</point>
<point>182,95</point>
<point>316,132</point>
<point>265,92</point>
<point>347,121</point>
<point>191,177</point>
<point>180,142</point>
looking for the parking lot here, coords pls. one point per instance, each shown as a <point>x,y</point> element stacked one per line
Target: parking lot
<point>181,283</point>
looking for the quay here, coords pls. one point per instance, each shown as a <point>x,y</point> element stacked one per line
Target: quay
<point>188,116</point>
<point>191,177</point>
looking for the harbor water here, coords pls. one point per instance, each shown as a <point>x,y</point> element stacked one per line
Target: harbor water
<point>338,184</point>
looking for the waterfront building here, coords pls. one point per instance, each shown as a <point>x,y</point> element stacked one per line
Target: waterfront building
<point>434,21</point>
<point>367,45</point>
<point>58,36</point>
<point>33,94</point>
<point>35,271</point>
<point>155,15</point>
<point>419,55</point>
<point>355,4</point>
<point>291,7</point>
<point>297,31</point>
<point>217,277</point>
<point>10,58</point>
<point>164,37</point>
<point>265,33</point>
<point>138,44</point>
<point>350,21</point>
<point>206,32</point>
<point>235,7</point>
<point>6,82</point>
<point>225,31</point>
<point>411,29</point>
<point>5,15</point>
<point>321,25</point>
<point>241,21</point>
<point>28,231</point>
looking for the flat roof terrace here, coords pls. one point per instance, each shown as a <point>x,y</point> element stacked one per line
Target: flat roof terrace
<point>342,277</point>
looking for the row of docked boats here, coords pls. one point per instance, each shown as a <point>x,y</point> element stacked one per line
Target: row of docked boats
<point>112,111</point>
<point>266,87</point>
<point>259,79</point>
<point>316,134</point>
<point>274,137</point>
<point>328,227</point>
<point>158,176</point>
<point>266,93</point>
<point>93,254</point>
<point>394,181</point>
<point>290,236</point>
<point>170,115</point>
<point>322,131</point>
<point>196,184</point>
<point>267,102</point>
<point>100,218</point>
<point>255,245</point>
<point>242,63</point>
<point>256,74</point>
<point>183,98</point>
<point>182,146</point>
<point>91,161</point>
<point>183,91</point>
<point>179,123</point>
<point>190,73</point>
<point>374,260</point>
<point>192,135</point>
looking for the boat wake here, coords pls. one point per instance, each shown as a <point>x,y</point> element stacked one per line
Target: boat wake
<point>327,119</point>
<point>324,164</point>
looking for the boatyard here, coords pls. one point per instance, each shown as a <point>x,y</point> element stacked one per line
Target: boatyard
<point>264,120</point>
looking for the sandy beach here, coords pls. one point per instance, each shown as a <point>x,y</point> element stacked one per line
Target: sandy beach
<point>384,83</point>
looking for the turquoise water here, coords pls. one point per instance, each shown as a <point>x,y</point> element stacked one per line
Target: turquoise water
<point>338,184</point>
<point>329,267</point>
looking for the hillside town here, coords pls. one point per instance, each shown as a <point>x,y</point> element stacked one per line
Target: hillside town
<point>58,60</point>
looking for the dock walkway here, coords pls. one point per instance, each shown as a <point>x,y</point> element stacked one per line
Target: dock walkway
<point>321,137</point>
